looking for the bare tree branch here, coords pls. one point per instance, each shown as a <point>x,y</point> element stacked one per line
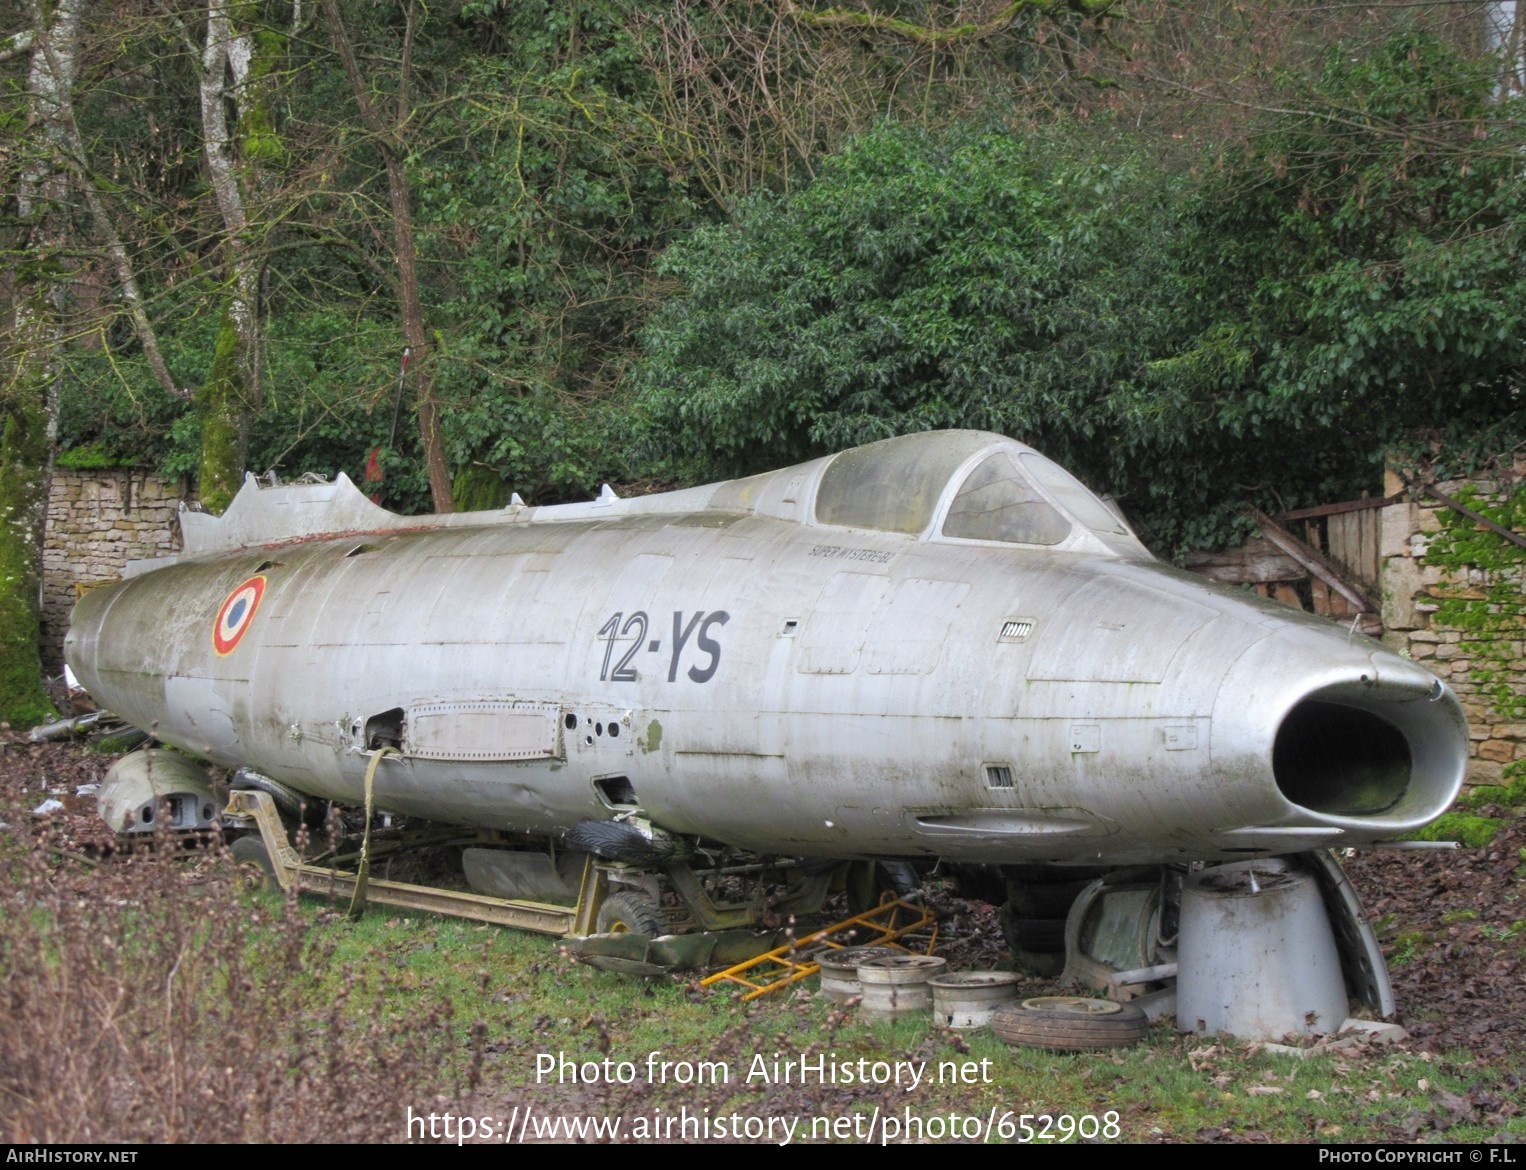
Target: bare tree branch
<point>16,44</point>
<point>69,149</point>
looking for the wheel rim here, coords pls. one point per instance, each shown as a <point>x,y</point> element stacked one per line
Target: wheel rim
<point>1073,1005</point>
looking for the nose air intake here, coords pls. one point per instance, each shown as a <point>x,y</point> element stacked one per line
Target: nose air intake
<point>1341,761</point>
<point>1388,754</point>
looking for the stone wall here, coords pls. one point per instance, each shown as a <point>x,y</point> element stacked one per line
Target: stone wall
<point>97,522</point>
<point>1454,599</point>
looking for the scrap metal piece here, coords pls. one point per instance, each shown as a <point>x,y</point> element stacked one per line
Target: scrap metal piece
<point>157,789</point>
<point>63,728</point>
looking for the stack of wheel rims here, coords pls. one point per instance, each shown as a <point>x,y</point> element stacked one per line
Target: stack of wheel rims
<point>896,985</point>
<point>839,970</point>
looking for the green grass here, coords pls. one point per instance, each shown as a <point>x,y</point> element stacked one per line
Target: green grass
<point>280,1020</point>
<point>522,1000</point>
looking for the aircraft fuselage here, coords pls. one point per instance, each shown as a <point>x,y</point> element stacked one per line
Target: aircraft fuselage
<point>742,672</point>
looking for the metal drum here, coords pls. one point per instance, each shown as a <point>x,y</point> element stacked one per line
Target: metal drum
<point>1257,958</point>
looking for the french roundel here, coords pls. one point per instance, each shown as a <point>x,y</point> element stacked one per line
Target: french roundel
<point>236,614</point>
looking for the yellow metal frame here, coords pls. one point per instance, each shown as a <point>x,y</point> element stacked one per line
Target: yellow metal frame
<point>889,923</point>
<point>296,876</point>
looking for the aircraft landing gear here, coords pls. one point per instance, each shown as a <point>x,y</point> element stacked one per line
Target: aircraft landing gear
<point>628,913</point>
<point>252,864</point>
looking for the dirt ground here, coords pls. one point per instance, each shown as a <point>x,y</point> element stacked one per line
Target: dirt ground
<point>1453,924</point>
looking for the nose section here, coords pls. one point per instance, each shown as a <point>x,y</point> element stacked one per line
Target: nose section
<point>1363,745</point>
<point>80,643</point>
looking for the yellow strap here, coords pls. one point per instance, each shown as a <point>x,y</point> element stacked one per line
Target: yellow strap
<point>358,901</point>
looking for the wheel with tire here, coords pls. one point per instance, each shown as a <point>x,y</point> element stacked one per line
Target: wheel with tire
<point>251,861</point>
<point>1038,935</point>
<point>1070,1023</point>
<point>628,913</point>
<point>1036,891</point>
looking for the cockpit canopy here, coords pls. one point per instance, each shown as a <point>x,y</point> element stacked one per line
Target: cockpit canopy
<point>973,485</point>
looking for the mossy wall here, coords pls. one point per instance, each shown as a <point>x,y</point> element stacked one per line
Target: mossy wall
<point>1453,600</point>
<point>23,475</point>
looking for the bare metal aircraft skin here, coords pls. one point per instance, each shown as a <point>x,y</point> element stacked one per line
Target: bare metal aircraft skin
<point>938,645</point>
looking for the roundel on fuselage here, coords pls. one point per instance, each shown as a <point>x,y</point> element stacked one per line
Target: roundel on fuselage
<point>236,614</point>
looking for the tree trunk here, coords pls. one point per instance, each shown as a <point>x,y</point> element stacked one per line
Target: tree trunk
<point>1502,35</point>
<point>231,392</point>
<point>29,399</point>
<point>413,333</point>
<point>224,419</point>
<point>387,141</point>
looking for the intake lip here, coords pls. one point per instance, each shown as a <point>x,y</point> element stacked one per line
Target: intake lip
<point>1379,755</point>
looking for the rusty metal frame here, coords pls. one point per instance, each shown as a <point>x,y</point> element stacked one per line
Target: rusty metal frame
<point>888,922</point>
<point>296,876</point>
<point>805,897</point>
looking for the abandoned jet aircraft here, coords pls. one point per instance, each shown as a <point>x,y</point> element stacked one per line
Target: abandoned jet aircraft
<point>936,646</point>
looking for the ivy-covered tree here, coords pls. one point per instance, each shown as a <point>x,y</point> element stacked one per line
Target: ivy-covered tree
<point>30,374</point>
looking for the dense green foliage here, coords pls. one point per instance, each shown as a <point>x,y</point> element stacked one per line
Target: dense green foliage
<point>1347,280</point>
<point>549,194</point>
<point>954,280</point>
<point>1363,264</point>
<point>1359,266</point>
